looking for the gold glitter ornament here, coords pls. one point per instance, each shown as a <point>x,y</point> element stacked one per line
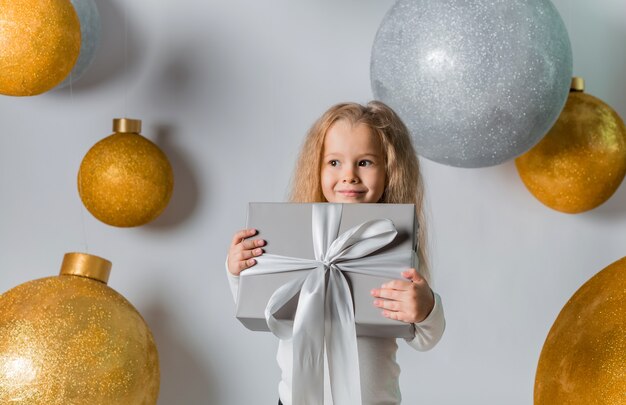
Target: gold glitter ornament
<point>125,180</point>
<point>72,340</point>
<point>583,360</point>
<point>39,45</point>
<point>582,160</point>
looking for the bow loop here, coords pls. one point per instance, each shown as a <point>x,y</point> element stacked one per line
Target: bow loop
<point>362,240</point>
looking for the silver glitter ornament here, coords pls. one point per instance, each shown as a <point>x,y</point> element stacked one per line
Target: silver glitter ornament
<point>90,28</point>
<point>477,82</point>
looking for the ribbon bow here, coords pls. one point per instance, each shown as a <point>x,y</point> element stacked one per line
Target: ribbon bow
<point>325,313</point>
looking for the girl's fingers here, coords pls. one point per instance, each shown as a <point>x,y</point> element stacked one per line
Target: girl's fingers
<point>251,244</point>
<point>392,315</point>
<point>397,285</point>
<point>241,235</point>
<point>240,239</point>
<point>398,300</point>
<point>247,254</point>
<point>404,300</point>
<point>386,293</point>
<point>242,251</point>
<point>398,316</point>
<point>396,310</point>
<point>237,266</point>
<point>245,264</point>
<point>387,304</point>
<point>413,275</point>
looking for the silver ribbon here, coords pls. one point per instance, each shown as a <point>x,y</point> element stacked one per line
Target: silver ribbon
<point>325,313</point>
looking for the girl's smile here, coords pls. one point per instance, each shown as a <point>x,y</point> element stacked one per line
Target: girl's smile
<point>353,168</point>
<point>352,193</point>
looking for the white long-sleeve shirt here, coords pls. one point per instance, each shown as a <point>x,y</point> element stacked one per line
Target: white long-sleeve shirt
<point>377,359</point>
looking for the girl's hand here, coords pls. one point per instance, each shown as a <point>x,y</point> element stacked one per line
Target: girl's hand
<point>242,251</point>
<point>406,301</point>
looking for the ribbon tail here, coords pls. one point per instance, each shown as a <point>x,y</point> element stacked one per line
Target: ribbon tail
<point>308,341</point>
<point>269,264</point>
<point>341,342</point>
<point>281,328</point>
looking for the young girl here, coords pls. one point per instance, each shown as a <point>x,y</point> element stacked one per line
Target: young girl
<point>360,154</point>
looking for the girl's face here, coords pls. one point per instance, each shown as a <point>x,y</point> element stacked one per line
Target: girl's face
<point>353,169</point>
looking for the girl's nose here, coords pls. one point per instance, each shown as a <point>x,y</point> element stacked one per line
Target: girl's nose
<point>350,177</point>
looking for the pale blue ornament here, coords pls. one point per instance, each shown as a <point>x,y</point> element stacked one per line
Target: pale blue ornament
<point>477,82</point>
<point>90,28</point>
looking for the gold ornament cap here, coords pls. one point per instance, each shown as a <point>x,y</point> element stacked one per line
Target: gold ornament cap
<point>578,84</point>
<point>126,125</point>
<point>86,265</point>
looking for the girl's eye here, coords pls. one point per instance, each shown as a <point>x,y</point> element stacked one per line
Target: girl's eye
<point>334,163</point>
<point>364,163</point>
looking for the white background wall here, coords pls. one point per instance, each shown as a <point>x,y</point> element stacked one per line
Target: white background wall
<point>228,88</point>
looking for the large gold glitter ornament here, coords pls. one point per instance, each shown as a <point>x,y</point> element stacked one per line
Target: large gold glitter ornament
<point>582,160</point>
<point>39,45</point>
<point>72,340</point>
<point>583,361</point>
<point>125,180</point>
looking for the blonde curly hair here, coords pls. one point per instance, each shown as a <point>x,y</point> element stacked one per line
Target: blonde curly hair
<point>403,183</point>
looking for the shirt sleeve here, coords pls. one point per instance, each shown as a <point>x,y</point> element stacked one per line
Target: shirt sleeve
<point>429,331</point>
<point>233,281</point>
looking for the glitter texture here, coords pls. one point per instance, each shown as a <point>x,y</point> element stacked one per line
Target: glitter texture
<point>583,361</point>
<point>581,161</point>
<point>477,82</point>
<point>72,340</point>
<point>39,44</point>
<point>90,28</point>
<point>125,180</point>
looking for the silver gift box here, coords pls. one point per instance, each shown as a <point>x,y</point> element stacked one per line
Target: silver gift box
<point>287,229</point>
